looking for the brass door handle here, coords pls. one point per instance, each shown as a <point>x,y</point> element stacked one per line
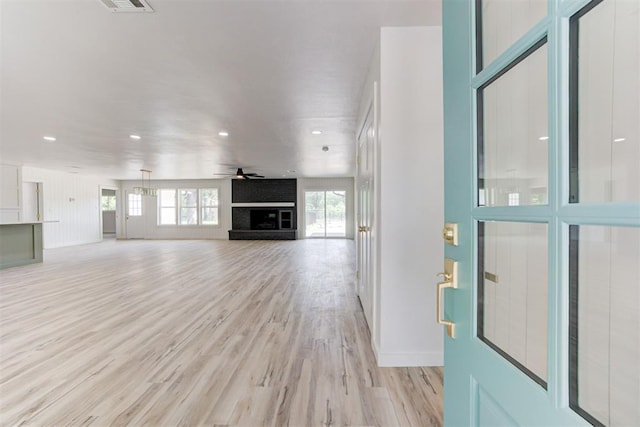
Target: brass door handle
<point>450,233</point>
<point>450,277</point>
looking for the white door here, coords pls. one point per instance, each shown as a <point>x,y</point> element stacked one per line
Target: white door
<point>31,201</point>
<point>134,217</point>
<point>364,184</point>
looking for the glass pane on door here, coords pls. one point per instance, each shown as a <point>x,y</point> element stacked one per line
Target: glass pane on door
<point>325,213</point>
<point>502,22</point>
<point>336,213</point>
<point>512,293</point>
<point>605,103</point>
<point>604,348</point>
<point>513,133</point>
<point>314,214</point>
<point>134,204</point>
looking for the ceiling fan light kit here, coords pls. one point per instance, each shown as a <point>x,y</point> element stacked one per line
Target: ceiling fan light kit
<point>240,174</point>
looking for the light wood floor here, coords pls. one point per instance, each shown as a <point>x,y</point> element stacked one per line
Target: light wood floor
<point>198,333</point>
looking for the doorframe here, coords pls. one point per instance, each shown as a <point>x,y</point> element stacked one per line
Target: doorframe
<point>372,108</point>
<point>101,225</point>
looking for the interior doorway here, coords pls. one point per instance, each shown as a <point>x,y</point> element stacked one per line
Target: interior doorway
<point>108,209</point>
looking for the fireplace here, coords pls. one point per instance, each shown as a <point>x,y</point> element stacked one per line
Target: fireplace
<point>264,219</point>
<point>263,209</point>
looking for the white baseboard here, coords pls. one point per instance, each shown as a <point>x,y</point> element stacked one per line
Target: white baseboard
<point>396,360</point>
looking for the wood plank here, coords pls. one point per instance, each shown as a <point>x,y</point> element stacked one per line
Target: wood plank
<point>198,332</point>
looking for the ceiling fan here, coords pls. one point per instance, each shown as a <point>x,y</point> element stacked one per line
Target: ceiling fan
<point>241,175</point>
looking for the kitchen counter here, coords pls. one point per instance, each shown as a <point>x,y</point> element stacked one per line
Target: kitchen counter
<point>20,243</point>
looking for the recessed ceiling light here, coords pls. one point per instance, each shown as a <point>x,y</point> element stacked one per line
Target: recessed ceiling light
<point>619,139</point>
<point>49,138</point>
<point>325,148</point>
<point>223,133</point>
<point>316,132</point>
<point>543,138</point>
<point>291,171</point>
<point>135,137</point>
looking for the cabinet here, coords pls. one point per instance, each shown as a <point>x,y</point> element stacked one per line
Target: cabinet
<point>286,220</point>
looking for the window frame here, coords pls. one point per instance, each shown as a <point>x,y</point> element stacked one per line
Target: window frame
<point>178,206</point>
<point>161,207</point>
<point>324,191</point>
<point>202,206</point>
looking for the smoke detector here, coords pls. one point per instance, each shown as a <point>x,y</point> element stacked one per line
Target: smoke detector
<point>127,5</point>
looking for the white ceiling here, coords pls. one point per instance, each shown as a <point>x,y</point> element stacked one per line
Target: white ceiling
<point>268,72</point>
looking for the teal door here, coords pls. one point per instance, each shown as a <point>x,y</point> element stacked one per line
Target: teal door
<point>542,178</point>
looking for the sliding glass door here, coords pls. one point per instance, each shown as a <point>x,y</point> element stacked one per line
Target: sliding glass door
<point>325,214</point>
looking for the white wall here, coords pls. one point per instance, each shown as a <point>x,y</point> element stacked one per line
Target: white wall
<point>324,184</point>
<point>72,202</point>
<point>150,211</point>
<point>409,196</point>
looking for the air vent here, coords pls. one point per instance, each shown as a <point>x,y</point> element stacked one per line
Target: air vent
<point>127,5</point>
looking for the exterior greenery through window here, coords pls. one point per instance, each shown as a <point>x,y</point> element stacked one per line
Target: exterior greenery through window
<point>325,214</point>
<point>209,206</point>
<point>188,206</point>
<point>109,203</point>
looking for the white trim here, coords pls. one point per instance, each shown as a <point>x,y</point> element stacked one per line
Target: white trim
<point>427,358</point>
<point>264,205</point>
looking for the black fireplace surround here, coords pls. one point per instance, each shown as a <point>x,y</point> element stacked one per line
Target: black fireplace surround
<point>263,209</point>
<point>264,219</point>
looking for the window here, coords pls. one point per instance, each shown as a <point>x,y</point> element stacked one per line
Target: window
<point>189,206</point>
<point>209,206</point>
<point>604,108</point>
<point>513,133</point>
<point>325,214</point>
<point>134,204</point>
<point>514,199</point>
<point>167,201</point>
<point>109,203</point>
